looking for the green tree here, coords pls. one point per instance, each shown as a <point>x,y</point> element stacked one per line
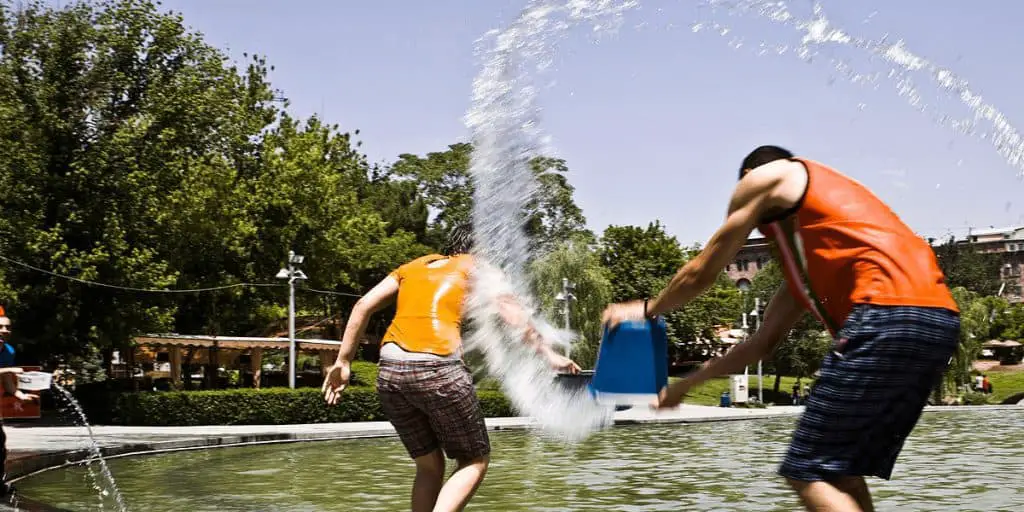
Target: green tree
<point>801,352</point>
<point>117,127</point>
<point>446,186</point>
<point>975,325</point>
<point>578,262</point>
<point>641,261</point>
<point>964,266</point>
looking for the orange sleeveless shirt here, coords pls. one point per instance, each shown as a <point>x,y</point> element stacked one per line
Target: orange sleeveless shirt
<point>428,315</point>
<point>841,246</point>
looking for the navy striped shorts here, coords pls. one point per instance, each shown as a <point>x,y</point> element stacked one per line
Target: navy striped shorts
<point>871,390</point>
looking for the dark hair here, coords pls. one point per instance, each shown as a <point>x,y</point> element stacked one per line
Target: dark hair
<point>459,239</point>
<point>761,156</point>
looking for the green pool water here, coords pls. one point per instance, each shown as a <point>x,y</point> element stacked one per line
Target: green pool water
<point>954,461</point>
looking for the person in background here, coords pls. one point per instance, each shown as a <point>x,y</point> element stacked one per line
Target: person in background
<point>9,380</point>
<point>871,281</point>
<point>425,389</point>
<point>986,386</point>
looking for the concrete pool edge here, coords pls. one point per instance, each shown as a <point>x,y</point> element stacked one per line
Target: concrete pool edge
<point>117,442</point>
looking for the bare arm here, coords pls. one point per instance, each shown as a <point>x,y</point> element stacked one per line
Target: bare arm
<point>378,298</point>
<point>782,313</point>
<point>750,201</point>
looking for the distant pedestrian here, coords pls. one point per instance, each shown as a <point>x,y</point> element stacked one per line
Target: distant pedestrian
<point>9,379</point>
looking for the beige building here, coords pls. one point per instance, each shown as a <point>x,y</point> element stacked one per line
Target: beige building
<point>1008,242</point>
<point>754,255</point>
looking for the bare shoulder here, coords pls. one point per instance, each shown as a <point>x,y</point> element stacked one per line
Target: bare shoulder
<point>779,184</point>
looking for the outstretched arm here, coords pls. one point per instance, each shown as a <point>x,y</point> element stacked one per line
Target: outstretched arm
<point>782,313</point>
<point>514,314</point>
<point>338,375</point>
<point>375,300</point>
<point>751,200</point>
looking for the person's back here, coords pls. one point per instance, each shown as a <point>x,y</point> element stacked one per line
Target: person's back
<point>428,313</point>
<point>848,247</point>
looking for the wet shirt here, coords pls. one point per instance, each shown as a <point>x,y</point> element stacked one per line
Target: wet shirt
<point>841,246</point>
<point>428,314</point>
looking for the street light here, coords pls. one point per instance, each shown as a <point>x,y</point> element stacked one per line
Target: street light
<point>760,376</point>
<point>565,297</point>
<point>292,274</point>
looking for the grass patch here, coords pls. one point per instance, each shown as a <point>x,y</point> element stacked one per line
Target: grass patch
<point>710,392</point>
<point>1005,384</point>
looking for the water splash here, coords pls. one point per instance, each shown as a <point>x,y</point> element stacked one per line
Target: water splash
<point>819,31</point>
<point>103,483</point>
<point>504,123</point>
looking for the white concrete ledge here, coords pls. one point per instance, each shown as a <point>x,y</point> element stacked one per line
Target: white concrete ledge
<point>34,449</point>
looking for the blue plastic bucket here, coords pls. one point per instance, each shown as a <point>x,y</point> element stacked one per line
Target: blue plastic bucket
<point>632,363</point>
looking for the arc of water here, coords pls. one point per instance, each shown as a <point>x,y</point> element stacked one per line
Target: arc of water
<point>819,31</point>
<point>106,485</point>
<point>504,122</point>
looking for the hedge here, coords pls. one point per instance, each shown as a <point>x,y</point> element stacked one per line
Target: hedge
<point>274,406</point>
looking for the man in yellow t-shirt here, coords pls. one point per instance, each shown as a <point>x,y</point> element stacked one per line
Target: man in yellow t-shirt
<point>425,389</point>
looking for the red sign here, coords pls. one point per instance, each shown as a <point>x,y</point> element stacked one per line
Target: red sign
<point>11,408</point>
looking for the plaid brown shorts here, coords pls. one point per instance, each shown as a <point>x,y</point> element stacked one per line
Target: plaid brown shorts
<point>433,404</point>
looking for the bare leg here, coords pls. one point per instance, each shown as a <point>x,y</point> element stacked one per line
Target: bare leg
<point>429,478</point>
<point>856,486</point>
<point>461,486</point>
<point>849,494</point>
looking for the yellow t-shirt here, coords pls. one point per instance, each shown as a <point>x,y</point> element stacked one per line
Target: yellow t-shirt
<point>428,316</point>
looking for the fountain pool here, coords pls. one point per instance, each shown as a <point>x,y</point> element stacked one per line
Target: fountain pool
<point>969,460</point>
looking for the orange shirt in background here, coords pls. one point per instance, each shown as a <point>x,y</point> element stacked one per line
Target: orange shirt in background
<point>428,315</point>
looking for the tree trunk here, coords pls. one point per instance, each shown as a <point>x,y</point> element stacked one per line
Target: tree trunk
<point>778,382</point>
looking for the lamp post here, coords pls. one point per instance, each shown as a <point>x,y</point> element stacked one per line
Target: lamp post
<point>760,376</point>
<point>292,274</point>
<point>565,297</point>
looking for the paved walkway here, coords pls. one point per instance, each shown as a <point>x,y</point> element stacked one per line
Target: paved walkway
<point>34,448</point>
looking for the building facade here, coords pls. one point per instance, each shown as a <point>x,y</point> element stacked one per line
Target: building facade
<point>754,255</point>
<point>1009,243</point>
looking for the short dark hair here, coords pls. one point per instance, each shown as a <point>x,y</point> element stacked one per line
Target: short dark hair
<point>761,156</point>
<point>459,239</point>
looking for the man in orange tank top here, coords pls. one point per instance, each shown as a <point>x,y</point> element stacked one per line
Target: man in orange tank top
<point>424,387</point>
<point>871,281</point>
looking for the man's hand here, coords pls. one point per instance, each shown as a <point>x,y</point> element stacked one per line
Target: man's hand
<point>615,314</point>
<point>25,397</point>
<point>563,364</point>
<point>671,396</point>
<point>335,381</point>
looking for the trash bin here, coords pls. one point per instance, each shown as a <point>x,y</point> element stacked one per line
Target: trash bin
<point>724,401</point>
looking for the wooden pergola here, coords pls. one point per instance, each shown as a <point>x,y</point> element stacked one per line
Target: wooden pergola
<point>224,349</point>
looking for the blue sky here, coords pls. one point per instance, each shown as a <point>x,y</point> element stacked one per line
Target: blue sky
<point>654,121</point>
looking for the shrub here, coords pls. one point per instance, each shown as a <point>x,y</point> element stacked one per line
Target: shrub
<point>975,398</point>
<point>274,406</point>
<point>364,373</point>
